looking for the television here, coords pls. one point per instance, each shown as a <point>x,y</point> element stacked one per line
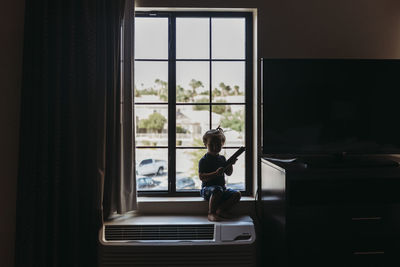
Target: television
<point>330,106</point>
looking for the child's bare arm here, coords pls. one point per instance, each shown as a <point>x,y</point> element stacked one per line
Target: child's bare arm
<point>205,177</point>
<point>229,168</point>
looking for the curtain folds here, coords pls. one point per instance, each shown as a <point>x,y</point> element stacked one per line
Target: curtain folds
<point>120,194</point>
<point>74,168</point>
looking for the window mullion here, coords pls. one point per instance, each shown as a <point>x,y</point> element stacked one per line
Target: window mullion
<point>210,80</point>
<point>249,104</point>
<point>171,104</point>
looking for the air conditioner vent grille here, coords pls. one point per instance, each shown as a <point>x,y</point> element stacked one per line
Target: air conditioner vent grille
<point>159,232</point>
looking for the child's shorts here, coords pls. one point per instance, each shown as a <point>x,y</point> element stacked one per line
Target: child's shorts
<point>207,191</point>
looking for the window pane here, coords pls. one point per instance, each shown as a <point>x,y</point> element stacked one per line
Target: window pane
<point>237,179</point>
<point>151,169</point>
<point>228,38</point>
<point>192,38</point>
<point>228,81</point>
<point>232,120</point>
<point>199,81</point>
<point>192,81</point>
<point>151,38</point>
<point>151,123</point>
<point>151,81</point>
<point>187,172</point>
<point>192,121</point>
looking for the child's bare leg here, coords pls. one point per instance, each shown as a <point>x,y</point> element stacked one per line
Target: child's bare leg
<point>213,204</point>
<point>227,205</point>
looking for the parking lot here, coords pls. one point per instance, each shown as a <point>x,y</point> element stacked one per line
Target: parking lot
<point>184,166</point>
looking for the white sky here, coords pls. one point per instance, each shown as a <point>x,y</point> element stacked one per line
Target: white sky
<point>228,42</point>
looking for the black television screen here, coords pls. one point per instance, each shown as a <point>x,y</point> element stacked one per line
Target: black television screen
<point>329,106</point>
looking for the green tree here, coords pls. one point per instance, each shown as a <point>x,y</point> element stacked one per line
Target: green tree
<point>148,91</point>
<point>201,107</point>
<point>225,89</point>
<point>233,121</point>
<point>236,90</point>
<point>182,95</point>
<point>154,123</point>
<point>195,84</point>
<point>220,109</point>
<point>180,129</point>
<point>162,90</point>
<point>137,92</point>
<point>216,92</point>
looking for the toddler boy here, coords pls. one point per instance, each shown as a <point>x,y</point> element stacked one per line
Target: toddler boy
<point>211,173</point>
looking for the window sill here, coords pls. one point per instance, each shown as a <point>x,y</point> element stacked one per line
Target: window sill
<point>156,200</point>
<point>187,205</point>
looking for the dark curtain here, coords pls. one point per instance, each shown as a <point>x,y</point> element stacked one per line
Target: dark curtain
<point>72,160</point>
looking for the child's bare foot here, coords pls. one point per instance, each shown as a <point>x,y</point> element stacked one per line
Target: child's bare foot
<point>214,217</point>
<point>224,214</point>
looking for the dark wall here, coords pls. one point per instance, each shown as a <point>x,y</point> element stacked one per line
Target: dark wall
<point>11,41</point>
<point>314,28</point>
<point>286,28</point>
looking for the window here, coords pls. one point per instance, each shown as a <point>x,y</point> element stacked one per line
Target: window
<point>193,72</point>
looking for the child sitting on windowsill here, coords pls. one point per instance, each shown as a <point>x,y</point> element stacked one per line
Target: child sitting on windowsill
<point>211,173</point>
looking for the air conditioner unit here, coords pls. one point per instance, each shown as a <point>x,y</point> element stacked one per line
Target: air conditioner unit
<point>177,241</point>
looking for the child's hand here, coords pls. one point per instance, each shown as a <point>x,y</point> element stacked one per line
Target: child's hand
<point>231,164</point>
<point>219,171</point>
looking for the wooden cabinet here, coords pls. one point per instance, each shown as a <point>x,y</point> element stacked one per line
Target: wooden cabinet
<point>330,216</point>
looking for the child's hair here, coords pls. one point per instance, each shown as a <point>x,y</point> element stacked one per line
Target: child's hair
<point>218,132</point>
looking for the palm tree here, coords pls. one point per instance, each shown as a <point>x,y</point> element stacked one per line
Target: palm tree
<point>163,89</point>
<point>236,88</point>
<point>182,95</point>
<point>225,89</point>
<point>195,84</point>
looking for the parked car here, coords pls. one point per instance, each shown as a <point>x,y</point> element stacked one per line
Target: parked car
<point>151,166</point>
<point>237,186</point>
<point>146,182</point>
<point>185,183</point>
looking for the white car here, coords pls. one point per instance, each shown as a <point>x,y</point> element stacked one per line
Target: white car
<point>151,166</point>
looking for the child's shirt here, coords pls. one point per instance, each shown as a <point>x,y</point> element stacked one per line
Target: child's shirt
<point>210,163</point>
